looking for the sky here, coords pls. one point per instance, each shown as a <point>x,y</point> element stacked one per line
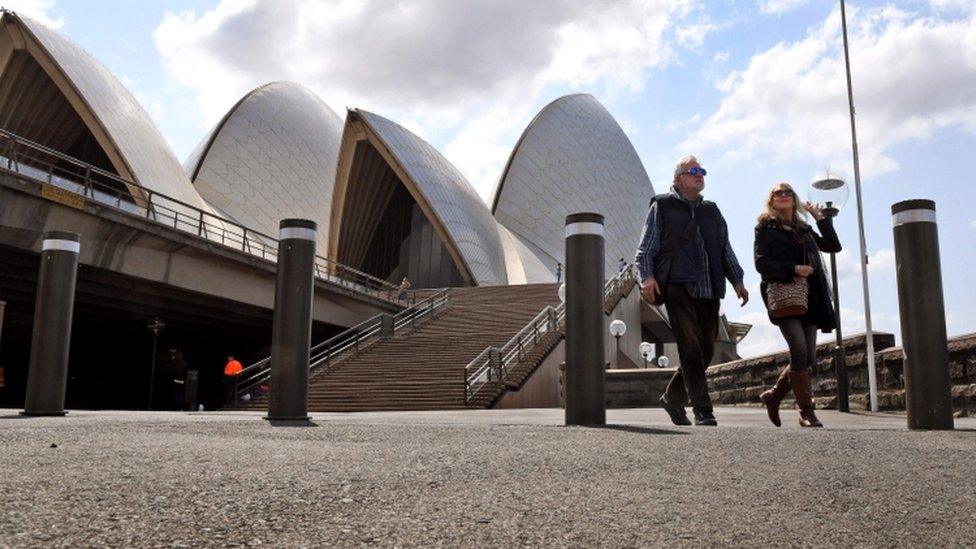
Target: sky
<point>755,88</point>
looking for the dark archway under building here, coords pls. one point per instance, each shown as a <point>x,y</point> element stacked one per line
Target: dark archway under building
<point>111,346</point>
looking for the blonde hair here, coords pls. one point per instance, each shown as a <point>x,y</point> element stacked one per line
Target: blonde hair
<point>770,214</point>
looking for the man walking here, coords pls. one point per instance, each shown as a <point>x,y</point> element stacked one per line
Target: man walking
<point>684,258</point>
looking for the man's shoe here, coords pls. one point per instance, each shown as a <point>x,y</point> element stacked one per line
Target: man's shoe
<point>705,417</point>
<point>677,413</point>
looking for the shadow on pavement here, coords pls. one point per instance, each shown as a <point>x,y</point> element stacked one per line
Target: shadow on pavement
<point>292,423</point>
<point>641,430</point>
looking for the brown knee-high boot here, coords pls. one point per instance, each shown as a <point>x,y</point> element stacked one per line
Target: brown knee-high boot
<point>774,396</point>
<point>800,380</point>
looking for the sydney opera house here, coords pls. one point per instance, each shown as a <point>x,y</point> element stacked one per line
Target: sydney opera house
<point>388,205</point>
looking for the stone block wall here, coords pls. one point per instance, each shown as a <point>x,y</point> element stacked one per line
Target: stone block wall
<point>740,382</point>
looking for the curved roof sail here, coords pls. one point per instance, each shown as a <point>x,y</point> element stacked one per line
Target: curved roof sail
<point>573,157</point>
<point>127,137</point>
<point>273,156</point>
<point>458,214</point>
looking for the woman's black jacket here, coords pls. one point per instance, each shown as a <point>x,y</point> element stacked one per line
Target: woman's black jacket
<point>778,251</point>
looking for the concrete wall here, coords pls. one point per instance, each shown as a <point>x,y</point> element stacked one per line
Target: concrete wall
<point>639,388</point>
<point>741,381</point>
<point>542,388</point>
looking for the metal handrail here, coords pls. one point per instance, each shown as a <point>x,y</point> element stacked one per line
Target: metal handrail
<point>494,363</point>
<point>325,354</point>
<point>47,165</point>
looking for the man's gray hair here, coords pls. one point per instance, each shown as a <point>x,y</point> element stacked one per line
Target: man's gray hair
<point>679,167</point>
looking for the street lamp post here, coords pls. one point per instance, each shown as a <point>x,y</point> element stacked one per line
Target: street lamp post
<point>617,329</point>
<point>872,375</point>
<point>833,192</point>
<point>155,325</point>
<point>645,349</point>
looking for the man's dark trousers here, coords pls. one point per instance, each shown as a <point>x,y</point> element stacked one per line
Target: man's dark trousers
<point>230,389</point>
<point>695,325</point>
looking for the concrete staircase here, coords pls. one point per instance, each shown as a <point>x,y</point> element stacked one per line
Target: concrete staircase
<point>424,369</point>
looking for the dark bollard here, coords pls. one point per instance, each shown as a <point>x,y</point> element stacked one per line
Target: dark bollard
<point>585,337</point>
<point>928,398</point>
<point>292,330</point>
<point>191,388</point>
<point>47,374</point>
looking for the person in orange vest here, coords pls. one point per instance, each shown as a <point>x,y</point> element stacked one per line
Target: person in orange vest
<point>232,370</point>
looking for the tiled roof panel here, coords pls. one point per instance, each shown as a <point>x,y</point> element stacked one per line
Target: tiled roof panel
<point>574,157</point>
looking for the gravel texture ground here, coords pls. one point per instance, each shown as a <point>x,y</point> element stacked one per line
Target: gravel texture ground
<point>483,479</point>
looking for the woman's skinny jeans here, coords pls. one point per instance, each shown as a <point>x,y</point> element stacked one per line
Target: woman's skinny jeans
<point>802,341</point>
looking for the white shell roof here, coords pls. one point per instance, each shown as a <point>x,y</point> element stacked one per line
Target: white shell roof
<point>273,156</point>
<point>573,157</point>
<point>524,265</point>
<point>142,147</point>
<point>458,206</point>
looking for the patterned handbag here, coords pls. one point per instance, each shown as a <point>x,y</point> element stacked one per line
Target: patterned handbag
<point>786,299</point>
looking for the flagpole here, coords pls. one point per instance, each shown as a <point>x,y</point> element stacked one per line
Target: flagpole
<point>868,334</point>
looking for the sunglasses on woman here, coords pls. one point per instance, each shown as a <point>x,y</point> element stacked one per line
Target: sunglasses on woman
<point>782,193</point>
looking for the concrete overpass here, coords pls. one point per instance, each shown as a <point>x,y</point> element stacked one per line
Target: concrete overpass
<point>213,284</point>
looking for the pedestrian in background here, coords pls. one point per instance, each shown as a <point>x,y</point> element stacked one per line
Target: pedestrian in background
<point>232,371</point>
<point>404,286</point>
<point>177,373</point>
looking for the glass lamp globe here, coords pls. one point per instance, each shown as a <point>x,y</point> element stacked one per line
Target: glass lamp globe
<point>645,348</point>
<point>830,193</point>
<point>662,361</point>
<point>562,292</point>
<point>618,328</point>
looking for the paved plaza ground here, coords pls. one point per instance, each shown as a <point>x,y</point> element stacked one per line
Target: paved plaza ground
<point>491,478</point>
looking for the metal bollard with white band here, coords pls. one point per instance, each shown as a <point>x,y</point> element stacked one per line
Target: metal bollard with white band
<point>928,398</point>
<point>47,374</point>
<point>292,330</point>
<point>585,337</point>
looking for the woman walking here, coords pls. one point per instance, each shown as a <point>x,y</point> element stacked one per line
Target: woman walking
<point>795,290</point>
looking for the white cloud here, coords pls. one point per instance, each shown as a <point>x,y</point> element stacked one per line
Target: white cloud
<point>852,323</point>
<point>677,124</point>
<point>693,36</point>
<point>912,75</point>
<point>880,263</point>
<point>973,223</point>
<point>474,70</point>
<point>763,338</point>
<point>39,10</point>
<point>779,7</point>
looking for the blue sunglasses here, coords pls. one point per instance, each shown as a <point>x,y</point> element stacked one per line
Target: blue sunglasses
<point>695,171</point>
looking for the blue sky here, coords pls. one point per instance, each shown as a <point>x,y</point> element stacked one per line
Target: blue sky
<point>754,88</point>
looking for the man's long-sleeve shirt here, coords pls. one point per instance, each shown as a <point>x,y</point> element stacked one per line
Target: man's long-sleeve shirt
<point>650,245</point>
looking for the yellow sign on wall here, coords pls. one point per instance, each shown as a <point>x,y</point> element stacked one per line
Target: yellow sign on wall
<point>63,196</point>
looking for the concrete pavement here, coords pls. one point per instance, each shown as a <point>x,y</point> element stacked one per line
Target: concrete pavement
<point>482,478</point>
